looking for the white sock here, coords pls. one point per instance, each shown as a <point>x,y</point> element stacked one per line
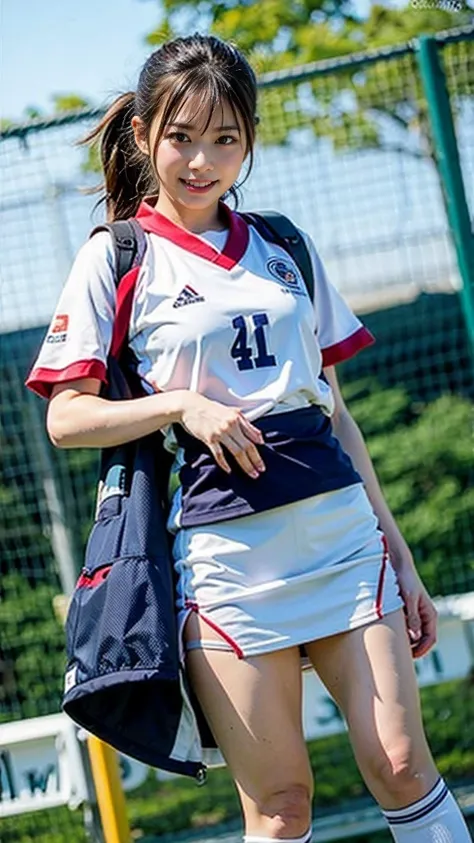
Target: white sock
<point>435,818</point>
<point>250,838</point>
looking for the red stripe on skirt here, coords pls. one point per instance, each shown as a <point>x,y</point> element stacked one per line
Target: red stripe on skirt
<point>378,599</point>
<point>227,638</point>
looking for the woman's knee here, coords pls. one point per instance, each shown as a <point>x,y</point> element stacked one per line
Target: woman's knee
<point>400,773</point>
<point>287,809</point>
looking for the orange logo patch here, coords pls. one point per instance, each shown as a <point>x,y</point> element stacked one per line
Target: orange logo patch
<point>60,324</point>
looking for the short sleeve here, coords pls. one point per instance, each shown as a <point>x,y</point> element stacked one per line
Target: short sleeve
<point>340,333</point>
<point>80,334</point>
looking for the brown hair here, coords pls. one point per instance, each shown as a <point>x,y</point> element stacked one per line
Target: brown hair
<point>174,73</point>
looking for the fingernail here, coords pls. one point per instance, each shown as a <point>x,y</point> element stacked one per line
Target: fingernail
<point>254,474</point>
<point>261,466</point>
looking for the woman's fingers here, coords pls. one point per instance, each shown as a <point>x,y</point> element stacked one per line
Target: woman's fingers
<point>218,454</point>
<point>429,623</point>
<point>252,432</point>
<point>230,429</point>
<point>245,453</point>
<point>412,616</point>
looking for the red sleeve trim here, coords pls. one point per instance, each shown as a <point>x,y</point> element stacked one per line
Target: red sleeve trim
<point>347,348</point>
<point>42,381</point>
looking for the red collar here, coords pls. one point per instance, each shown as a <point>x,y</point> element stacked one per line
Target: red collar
<point>233,251</point>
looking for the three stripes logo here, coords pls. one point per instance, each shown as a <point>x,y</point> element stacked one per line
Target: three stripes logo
<point>187,296</point>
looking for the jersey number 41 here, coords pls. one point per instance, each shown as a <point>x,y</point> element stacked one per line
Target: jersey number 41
<point>242,352</point>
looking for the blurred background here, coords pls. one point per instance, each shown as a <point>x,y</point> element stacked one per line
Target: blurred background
<point>366,139</point>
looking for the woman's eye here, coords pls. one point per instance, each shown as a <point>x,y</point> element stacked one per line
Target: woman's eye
<point>227,140</point>
<point>179,137</point>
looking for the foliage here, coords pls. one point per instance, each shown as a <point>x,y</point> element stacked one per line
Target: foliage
<point>69,102</point>
<point>32,644</point>
<point>378,106</point>
<point>308,30</point>
<point>56,825</point>
<point>424,460</point>
<point>77,479</point>
<point>22,534</point>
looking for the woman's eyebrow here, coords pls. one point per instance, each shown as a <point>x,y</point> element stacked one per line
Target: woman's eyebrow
<point>229,128</point>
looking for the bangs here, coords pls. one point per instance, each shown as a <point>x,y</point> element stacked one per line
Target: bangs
<point>212,92</point>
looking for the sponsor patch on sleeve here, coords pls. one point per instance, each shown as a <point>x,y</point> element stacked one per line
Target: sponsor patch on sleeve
<point>58,330</point>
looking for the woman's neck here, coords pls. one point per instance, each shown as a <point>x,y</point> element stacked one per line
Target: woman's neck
<point>196,221</point>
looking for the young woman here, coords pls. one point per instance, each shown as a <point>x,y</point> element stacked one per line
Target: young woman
<point>283,537</point>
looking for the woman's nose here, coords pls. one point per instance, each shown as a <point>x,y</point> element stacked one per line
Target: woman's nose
<point>200,161</point>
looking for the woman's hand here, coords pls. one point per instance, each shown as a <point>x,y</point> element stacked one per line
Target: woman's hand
<point>420,612</point>
<point>219,426</point>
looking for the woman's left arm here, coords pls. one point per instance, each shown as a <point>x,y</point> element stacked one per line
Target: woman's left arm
<point>419,609</point>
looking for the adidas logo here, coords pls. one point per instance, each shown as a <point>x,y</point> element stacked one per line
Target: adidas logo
<point>187,296</point>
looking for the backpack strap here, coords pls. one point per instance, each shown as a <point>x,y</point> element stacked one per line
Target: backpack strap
<point>277,228</point>
<point>129,245</point>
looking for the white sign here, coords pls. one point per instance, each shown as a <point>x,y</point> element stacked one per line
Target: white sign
<point>40,765</point>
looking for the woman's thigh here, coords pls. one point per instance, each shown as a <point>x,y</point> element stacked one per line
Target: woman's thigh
<point>253,707</point>
<point>370,673</point>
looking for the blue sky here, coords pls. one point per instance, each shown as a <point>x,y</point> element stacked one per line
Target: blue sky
<point>89,47</point>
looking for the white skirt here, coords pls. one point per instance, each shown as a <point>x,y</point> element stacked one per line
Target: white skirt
<point>287,576</point>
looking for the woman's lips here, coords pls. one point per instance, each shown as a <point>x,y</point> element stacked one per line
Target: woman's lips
<point>198,186</point>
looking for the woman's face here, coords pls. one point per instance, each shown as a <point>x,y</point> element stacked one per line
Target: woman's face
<point>196,164</point>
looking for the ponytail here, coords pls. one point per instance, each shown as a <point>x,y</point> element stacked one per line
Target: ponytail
<point>128,176</point>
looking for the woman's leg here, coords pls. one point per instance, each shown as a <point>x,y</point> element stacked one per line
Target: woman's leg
<point>369,672</point>
<point>253,707</point>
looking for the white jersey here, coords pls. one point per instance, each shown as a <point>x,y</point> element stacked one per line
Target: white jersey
<point>225,314</point>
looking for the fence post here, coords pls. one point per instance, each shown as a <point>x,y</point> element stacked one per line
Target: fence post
<point>444,138</point>
<point>109,790</point>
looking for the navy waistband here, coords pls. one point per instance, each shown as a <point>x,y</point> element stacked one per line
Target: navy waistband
<point>302,458</point>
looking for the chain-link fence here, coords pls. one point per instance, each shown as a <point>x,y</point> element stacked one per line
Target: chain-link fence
<point>347,149</point>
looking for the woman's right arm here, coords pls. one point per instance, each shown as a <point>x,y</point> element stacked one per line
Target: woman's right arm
<point>79,418</point>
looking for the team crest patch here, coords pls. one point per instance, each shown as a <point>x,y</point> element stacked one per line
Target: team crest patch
<point>283,271</point>
<point>58,330</point>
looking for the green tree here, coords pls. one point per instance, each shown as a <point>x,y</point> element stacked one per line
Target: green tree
<point>32,656</point>
<point>69,102</point>
<point>284,34</point>
<point>357,108</point>
<point>424,460</point>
